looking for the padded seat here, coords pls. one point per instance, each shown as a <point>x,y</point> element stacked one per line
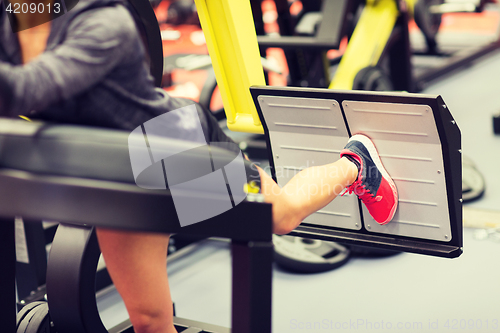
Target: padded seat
<point>84,152</point>
<point>65,150</point>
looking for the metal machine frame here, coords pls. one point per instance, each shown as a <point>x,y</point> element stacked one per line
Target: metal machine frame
<point>82,203</point>
<point>449,136</point>
<point>234,49</point>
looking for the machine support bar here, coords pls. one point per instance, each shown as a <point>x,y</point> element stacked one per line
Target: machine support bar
<point>8,276</point>
<point>252,287</point>
<point>232,43</point>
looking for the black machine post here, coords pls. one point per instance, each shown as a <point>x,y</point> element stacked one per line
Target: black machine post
<point>8,275</point>
<point>252,283</point>
<point>400,66</point>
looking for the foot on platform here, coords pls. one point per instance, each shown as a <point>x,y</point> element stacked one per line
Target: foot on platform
<point>374,186</point>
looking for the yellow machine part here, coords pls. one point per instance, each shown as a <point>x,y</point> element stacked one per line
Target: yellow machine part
<point>232,44</point>
<point>410,5</point>
<point>368,41</point>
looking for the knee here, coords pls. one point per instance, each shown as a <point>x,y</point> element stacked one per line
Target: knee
<point>285,224</point>
<point>152,322</point>
<point>288,213</point>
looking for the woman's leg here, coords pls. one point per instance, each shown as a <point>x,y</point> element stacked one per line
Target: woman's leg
<point>311,189</point>
<point>137,261</point>
<point>137,264</point>
<point>308,191</point>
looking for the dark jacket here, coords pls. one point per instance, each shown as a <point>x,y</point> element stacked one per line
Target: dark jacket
<point>92,73</point>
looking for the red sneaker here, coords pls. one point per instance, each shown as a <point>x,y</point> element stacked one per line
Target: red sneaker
<point>374,186</point>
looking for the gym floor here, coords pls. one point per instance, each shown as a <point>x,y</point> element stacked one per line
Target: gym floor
<point>401,293</point>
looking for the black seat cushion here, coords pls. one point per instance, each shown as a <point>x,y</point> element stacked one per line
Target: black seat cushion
<point>77,151</point>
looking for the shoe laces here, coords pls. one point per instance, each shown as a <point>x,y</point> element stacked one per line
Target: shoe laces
<point>362,192</point>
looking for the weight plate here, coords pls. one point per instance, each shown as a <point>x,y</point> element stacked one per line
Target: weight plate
<point>372,78</point>
<point>473,184</point>
<point>34,318</point>
<point>305,255</point>
<point>25,311</point>
<point>23,324</point>
<point>40,322</point>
